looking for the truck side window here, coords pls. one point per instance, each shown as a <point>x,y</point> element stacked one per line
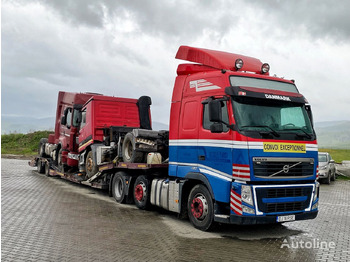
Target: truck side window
<point>83,119</point>
<point>69,117</point>
<point>207,123</point>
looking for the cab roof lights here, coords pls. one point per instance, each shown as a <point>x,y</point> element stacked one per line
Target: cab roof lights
<point>220,60</point>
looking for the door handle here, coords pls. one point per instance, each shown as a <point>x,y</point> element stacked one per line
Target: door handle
<point>201,157</point>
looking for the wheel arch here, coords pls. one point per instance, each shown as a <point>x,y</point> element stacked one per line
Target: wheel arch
<point>193,179</point>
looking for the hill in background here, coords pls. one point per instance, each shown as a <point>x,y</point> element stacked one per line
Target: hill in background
<point>333,134</point>
<point>330,134</point>
<point>24,125</point>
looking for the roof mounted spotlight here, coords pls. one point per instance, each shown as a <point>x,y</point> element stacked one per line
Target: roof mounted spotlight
<point>265,68</point>
<point>238,63</point>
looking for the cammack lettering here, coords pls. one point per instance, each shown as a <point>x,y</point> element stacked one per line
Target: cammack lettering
<point>285,98</point>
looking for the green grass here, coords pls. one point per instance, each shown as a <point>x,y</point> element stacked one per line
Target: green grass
<point>22,144</point>
<point>338,154</point>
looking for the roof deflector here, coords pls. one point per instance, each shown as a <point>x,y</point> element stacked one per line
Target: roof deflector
<point>218,59</point>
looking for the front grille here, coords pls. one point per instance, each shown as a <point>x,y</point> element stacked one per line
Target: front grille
<point>284,192</point>
<point>284,207</point>
<point>277,195</point>
<point>283,167</point>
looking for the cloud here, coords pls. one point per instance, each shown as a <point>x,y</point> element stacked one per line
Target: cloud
<point>321,18</point>
<point>127,48</point>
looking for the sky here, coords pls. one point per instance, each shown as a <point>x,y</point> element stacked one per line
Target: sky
<point>127,48</point>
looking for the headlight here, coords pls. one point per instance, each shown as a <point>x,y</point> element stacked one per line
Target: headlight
<point>247,195</point>
<point>315,206</point>
<point>323,168</point>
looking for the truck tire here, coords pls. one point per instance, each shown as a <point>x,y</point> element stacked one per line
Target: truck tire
<point>90,167</point>
<point>142,193</point>
<point>119,187</point>
<point>47,168</point>
<point>128,152</point>
<point>200,208</point>
<point>41,150</point>
<point>40,166</point>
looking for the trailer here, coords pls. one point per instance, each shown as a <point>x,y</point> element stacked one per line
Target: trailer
<point>241,147</point>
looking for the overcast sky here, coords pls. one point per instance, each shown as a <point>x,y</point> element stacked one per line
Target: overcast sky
<point>127,48</point>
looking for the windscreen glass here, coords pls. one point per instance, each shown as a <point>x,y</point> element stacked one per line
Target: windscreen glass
<point>275,117</point>
<point>263,84</point>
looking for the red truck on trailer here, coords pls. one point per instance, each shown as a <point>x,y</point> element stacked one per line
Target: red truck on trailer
<point>241,147</point>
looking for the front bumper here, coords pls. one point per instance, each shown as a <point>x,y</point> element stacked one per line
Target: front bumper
<point>322,174</point>
<point>271,219</point>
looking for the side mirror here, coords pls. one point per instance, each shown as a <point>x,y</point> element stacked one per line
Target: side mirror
<point>215,114</point>
<point>79,116</point>
<point>216,128</point>
<point>63,120</point>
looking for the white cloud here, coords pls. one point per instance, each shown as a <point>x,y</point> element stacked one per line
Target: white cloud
<point>127,49</point>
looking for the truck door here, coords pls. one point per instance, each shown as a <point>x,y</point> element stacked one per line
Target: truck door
<point>215,152</point>
<point>66,123</point>
<point>187,156</point>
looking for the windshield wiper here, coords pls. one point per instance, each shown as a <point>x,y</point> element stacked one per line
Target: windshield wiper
<point>272,130</point>
<point>302,135</point>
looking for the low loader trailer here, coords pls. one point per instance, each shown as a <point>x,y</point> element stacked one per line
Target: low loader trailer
<point>240,149</point>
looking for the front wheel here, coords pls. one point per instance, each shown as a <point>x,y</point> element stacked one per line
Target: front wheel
<point>90,167</point>
<point>200,208</point>
<point>142,192</point>
<point>40,166</point>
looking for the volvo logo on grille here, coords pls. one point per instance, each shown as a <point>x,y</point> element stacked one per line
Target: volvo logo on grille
<point>285,168</point>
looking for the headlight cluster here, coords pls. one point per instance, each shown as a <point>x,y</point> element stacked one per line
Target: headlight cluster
<point>247,195</point>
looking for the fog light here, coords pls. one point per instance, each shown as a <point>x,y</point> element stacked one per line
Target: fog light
<point>315,206</point>
<point>248,210</point>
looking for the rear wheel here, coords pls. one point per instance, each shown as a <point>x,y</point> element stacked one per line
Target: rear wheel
<point>119,187</point>
<point>128,152</point>
<point>142,192</point>
<point>200,208</point>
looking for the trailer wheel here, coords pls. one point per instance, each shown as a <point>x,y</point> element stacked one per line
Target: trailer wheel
<point>47,168</point>
<point>40,166</point>
<point>91,168</point>
<point>142,192</point>
<point>128,152</point>
<point>41,150</point>
<point>119,187</point>
<point>200,208</point>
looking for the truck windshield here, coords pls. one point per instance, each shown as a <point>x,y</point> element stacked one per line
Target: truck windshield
<point>262,84</point>
<point>272,117</point>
